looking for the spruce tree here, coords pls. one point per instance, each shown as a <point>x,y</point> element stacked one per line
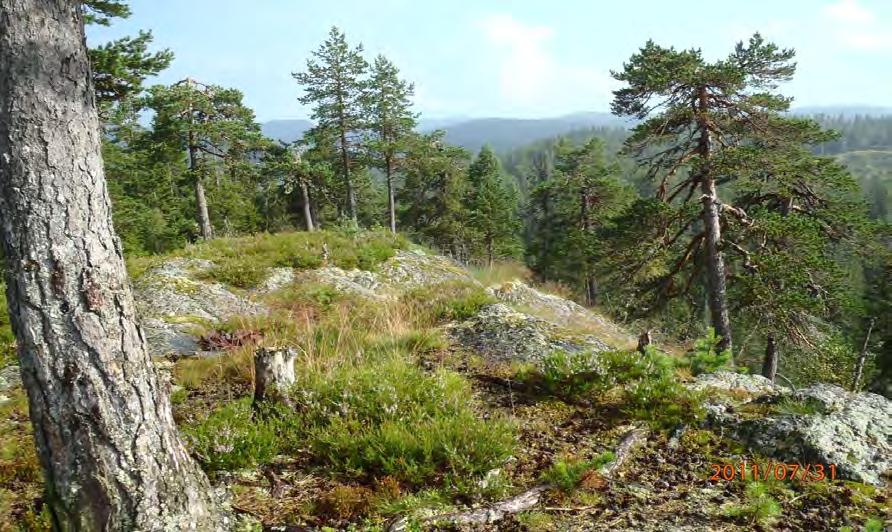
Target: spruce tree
<point>334,83</point>
<point>571,210</point>
<point>391,121</point>
<point>493,206</point>
<point>432,202</point>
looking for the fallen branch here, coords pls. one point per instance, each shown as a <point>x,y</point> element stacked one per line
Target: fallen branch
<point>481,516</point>
<point>631,440</point>
<point>530,498</point>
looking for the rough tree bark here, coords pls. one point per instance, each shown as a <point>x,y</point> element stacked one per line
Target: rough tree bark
<point>769,364</point>
<point>715,261</point>
<point>391,198</point>
<point>345,161</point>
<point>105,435</point>
<point>304,195</point>
<point>201,202</point>
<point>308,211</point>
<point>273,375</point>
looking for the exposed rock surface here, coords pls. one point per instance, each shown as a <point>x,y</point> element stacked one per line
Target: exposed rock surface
<point>406,270</point>
<point>354,282</point>
<point>503,334</point>
<point>416,268</point>
<point>173,302</point>
<point>278,278</point>
<point>730,382</point>
<point>820,424</point>
<point>10,378</point>
<point>559,311</point>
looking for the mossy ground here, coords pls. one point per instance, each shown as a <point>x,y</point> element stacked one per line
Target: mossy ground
<point>391,419</point>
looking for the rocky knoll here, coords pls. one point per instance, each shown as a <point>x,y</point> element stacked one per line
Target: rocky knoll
<point>174,301</point>
<point>820,424</point>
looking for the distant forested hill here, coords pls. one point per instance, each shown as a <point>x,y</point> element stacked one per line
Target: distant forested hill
<point>502,134</point>
<point>864,145</point>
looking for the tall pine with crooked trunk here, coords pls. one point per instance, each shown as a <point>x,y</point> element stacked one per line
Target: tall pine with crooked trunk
<point>102,421</point>
<point>692,111</point>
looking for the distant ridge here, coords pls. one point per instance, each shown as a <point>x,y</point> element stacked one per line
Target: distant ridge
<point>504,134</point>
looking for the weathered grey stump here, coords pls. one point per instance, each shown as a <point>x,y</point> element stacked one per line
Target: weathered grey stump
<point>273,375</point>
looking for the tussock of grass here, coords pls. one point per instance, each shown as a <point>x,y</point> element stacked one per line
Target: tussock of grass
<point>7,339</point>
<point>21,477</point>
<point>501,272</point>
<point>453,301</point>
<point>365,409</point>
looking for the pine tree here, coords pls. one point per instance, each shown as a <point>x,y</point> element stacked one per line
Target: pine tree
<point>692,110</point>
<point>720,126</point>
<point>391,121</point>
<point>105,436</point>
<point>493,209</point>
<point>334,84</point>
<point>571,210</point>
<point>211,125</point>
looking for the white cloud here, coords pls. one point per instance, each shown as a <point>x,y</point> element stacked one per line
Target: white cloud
<point>531,76</point>
<point>856,27</point>
<point>849,11</point>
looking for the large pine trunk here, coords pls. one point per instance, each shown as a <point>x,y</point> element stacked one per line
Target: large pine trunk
<point>348,183</point>
<point>308,211</point>
<point>201,202</point>
<point>391,199</point>
<point>715,267</point>
<point>715,263</point>
<point>103,426</point>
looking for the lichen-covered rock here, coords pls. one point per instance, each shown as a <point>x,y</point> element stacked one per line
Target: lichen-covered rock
<point>500,333</point>
<point>559,311</point>
<point>852,431</point>
<point>519,293</point>
<point>173,302</point>
<point>737,382</point>
<point>10,377</point>
<point>415,268</point>
<point>277,279</point>
<point>354,282</point>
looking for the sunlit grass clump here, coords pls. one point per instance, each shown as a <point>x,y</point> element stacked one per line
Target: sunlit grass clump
<point>244,262</point>
<point>364,408</point>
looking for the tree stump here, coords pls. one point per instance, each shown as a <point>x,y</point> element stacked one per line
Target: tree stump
<point>769,363</point>
<point>273,375</point>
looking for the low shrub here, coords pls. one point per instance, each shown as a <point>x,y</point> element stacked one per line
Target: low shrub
<point>759,505</point>
<point>565,375</point>
<point>233,438</point>
<point>567,473</point>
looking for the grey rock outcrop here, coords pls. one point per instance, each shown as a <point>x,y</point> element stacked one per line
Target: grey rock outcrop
<point>822,424</point>
<point>416,268</point>
<point>173,303</point>
<point>502,334</point>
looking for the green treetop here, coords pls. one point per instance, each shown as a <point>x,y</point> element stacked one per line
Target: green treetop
<point>334,83</point>
<point>391,120</point>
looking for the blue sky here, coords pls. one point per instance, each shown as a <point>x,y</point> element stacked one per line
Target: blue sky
<point>521,58</point>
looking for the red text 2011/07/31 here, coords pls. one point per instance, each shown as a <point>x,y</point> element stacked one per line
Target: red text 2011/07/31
<point>773,471</point>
